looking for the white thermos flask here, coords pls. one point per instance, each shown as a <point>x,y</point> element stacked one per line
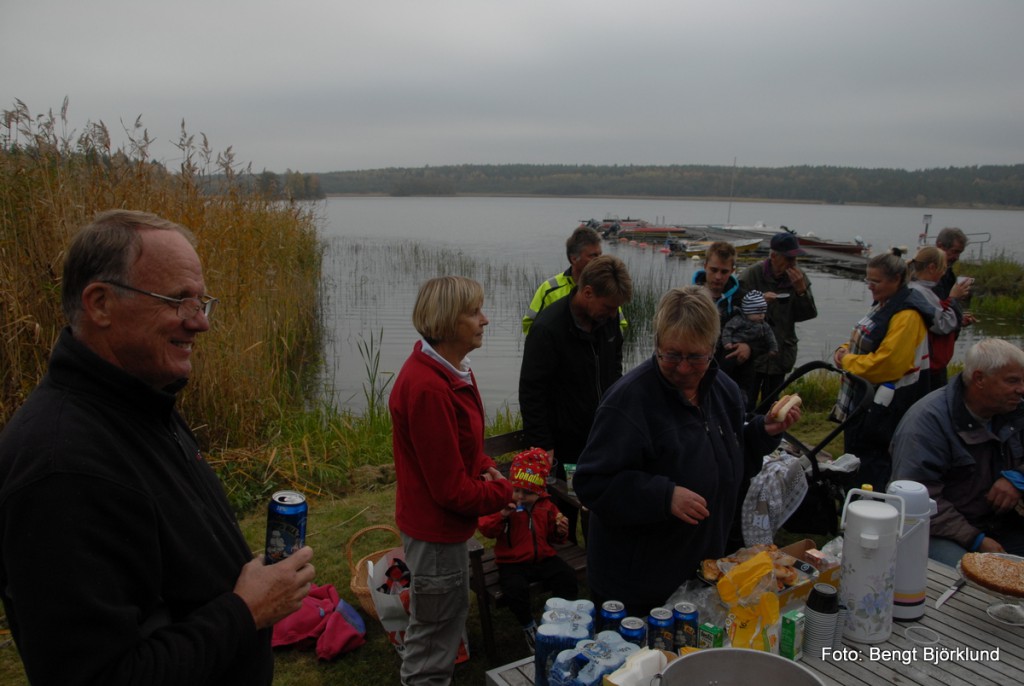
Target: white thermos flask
<point>912,558</point>
<point>872,528</point>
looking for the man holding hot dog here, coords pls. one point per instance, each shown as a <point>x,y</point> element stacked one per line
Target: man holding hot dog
<point>787,290</point>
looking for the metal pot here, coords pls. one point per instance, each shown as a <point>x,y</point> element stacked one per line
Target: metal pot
<point>736,666</point>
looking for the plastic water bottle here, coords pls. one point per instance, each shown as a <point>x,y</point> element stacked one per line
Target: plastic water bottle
<point>884,394</point>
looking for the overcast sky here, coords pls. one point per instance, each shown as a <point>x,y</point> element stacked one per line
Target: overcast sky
<point>325,85</point>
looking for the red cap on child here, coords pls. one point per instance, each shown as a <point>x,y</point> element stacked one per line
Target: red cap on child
<point>530,470</point>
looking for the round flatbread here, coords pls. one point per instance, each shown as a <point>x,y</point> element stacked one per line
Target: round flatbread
<point>1000,573</point>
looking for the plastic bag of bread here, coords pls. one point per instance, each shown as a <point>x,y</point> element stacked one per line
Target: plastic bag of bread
<point>749,591</point>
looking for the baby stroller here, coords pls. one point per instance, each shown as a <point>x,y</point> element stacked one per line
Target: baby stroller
<point>819,511</point>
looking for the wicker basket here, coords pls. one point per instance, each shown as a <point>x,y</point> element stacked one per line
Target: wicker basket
<point>360,572</point>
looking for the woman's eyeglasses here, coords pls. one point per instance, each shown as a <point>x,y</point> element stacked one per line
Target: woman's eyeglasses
<point>674,359</point>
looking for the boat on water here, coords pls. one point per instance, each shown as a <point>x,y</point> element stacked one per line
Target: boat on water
<point>807,240</point>
<point>855,247</point>
<point>697,248</point>
<point>700,235</point>
<point>613,228</point>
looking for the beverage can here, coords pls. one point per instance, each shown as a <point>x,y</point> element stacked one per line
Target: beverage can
<point>686,623</point>
<point>661,629</point>
<point>634,630</point>
<point>612,613</point>
<point>286,525</point>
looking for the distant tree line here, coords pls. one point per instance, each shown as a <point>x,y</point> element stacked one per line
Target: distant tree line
<point>974,186</point>
<point>291,185</point>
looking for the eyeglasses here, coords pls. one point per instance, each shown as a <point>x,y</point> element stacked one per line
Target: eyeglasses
<point>874,282</point>
<point>675,359</point>
<point>187,307</point>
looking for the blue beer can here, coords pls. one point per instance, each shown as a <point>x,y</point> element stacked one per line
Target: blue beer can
<point>612,613</point>
<point>661,629</point>
<point>286,525</point>
<point>634,630</point>
<point>685,615</point>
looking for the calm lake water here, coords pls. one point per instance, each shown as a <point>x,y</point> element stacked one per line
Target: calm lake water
<point>379,251</point>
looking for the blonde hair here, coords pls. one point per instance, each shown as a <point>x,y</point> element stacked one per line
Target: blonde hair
<point>687,314</point>
<point>439,304</point>
<point>926,256</point>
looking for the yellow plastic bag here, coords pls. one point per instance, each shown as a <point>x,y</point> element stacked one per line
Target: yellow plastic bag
<point>749,591</point>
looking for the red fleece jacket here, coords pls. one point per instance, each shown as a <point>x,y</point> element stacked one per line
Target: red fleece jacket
<point>525,536</point>
<point>438,440</point>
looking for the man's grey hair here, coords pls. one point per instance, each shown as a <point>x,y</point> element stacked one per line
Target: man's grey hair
<point>989,355</point>
<point>581,238</point>
<point>950,236</point>
<point>104,250</point>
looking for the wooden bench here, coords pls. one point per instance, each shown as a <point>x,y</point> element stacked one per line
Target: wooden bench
<point>484,570</point>
<point>484,582</point>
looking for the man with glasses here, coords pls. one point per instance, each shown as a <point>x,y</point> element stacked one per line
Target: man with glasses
<point>787,290</point>
<point>120,558</point>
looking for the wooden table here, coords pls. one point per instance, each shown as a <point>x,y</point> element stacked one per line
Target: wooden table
<point>962,625</point>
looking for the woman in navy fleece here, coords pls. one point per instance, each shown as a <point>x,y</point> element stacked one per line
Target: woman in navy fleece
<point>664,464</point>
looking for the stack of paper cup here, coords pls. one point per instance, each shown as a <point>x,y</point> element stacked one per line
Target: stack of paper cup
<point>837,641</point>
<point>821,617</point>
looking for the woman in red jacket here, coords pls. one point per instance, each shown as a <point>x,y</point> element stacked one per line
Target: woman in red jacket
<point>445,481</point>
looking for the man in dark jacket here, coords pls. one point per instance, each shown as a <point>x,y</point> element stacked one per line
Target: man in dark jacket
<point>952,242</point>
<point>120,559</point>
<point>787,290</point>
<point>965,443</point>
<point>572,355</point>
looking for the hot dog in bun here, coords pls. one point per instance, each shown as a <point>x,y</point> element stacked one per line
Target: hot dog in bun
<point>782,407</point>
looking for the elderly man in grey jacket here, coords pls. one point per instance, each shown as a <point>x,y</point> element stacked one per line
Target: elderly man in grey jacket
<point>965,443</point>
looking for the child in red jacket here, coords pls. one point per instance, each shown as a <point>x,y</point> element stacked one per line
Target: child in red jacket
<point>524,531</point>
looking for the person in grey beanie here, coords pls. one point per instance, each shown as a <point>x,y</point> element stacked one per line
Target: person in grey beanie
<point>751,328</point>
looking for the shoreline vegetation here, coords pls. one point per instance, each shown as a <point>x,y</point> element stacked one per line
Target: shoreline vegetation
<point>253,400</point>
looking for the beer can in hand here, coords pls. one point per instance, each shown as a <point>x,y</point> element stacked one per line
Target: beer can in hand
<point>286,525</point>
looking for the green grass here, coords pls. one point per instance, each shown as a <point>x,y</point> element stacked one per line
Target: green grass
<point>998,287</point>
<point>333,521</point>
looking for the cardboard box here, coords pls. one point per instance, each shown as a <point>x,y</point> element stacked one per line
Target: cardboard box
<point>799,593</point>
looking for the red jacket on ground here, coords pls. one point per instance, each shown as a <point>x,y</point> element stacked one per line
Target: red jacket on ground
<point>525,535</point>
<point>438,440</point>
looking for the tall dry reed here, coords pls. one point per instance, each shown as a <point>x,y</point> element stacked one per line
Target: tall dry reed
<point>261,258</point>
